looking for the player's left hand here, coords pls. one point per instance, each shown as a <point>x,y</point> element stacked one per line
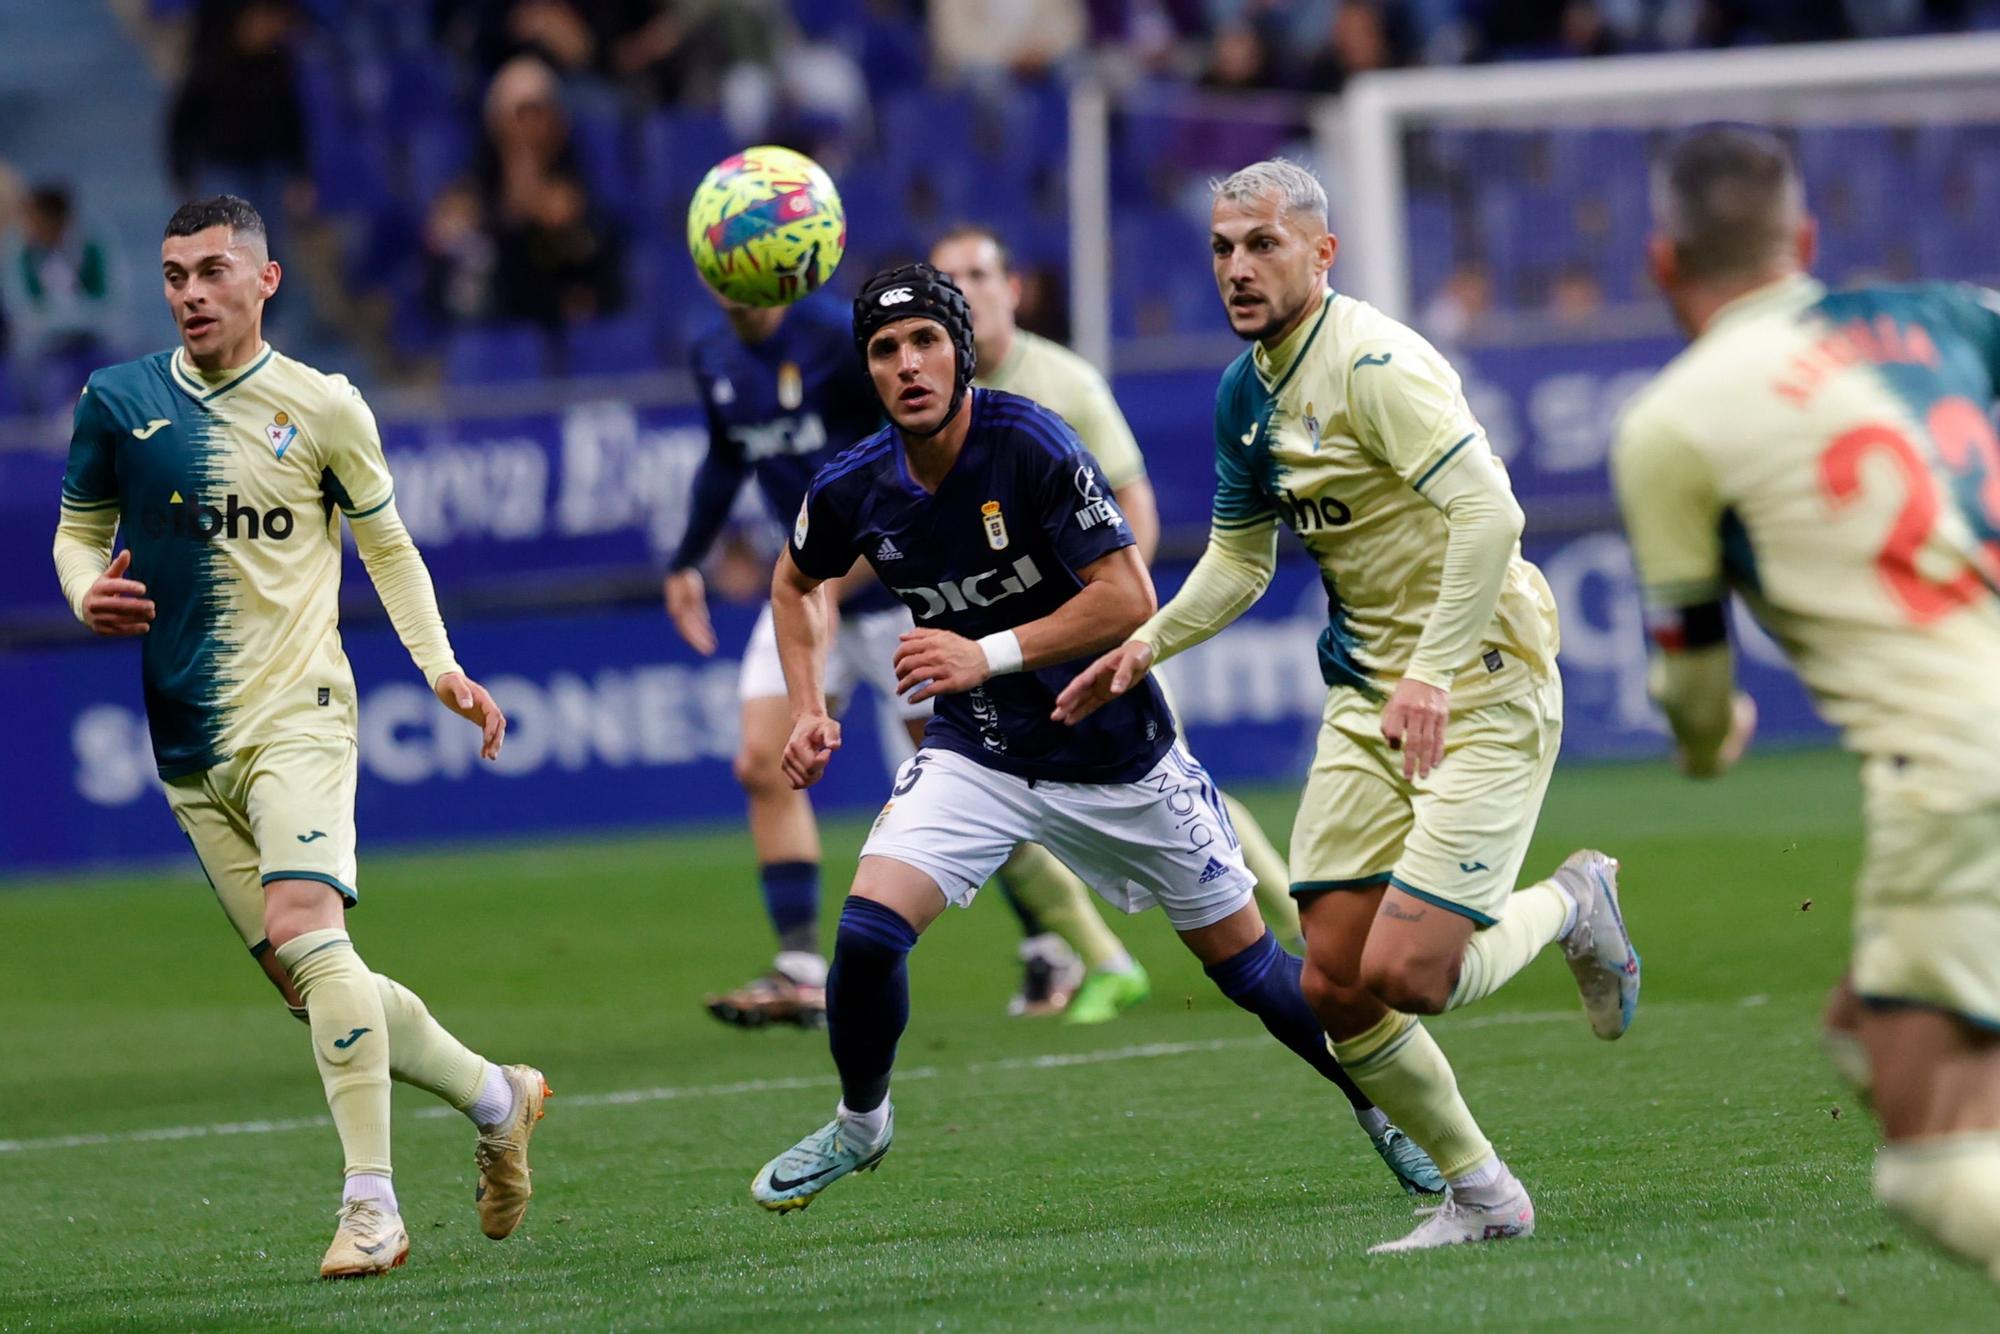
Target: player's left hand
<point>941,662</point>
<point>1414,723</point>
<point>468,699</point>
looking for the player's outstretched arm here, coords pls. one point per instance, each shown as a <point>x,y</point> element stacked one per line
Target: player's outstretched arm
<point>1117,595</point>
<point>1230,576</point>
<point>801,619</point>
<point>1712,721</point>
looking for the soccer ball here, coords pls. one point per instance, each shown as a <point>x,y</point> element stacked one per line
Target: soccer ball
<point>766,226</point>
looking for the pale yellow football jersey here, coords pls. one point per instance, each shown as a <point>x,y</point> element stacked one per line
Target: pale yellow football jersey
<point>1831,456</point>
<point>230,495</point>
<point>1336,433</point>
<point>1074,390</point>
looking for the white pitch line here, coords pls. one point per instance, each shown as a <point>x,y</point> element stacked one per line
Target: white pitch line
<point>628,1097</point>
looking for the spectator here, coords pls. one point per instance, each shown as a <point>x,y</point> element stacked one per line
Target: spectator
<point>1461,306</point>
<point>1239,60</point>
<point>1576,297</point>
<point>556,263</point>
<point>983,40</point>
<point>1357,40</point>
<point>236,126</point>
<point>60,297</point>
<point>554,260</point>
<point>458,257</point>
<point>687,51</point>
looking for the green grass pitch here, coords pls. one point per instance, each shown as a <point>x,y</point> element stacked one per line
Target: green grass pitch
<point>1173,1170</point>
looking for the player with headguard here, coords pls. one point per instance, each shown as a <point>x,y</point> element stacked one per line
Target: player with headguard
<point>1444,709</point>
<point>226,467</point>
<point>1017,564</point>
<point>782,394</point>
<point>1830,456</point>
<point>1022,362</point>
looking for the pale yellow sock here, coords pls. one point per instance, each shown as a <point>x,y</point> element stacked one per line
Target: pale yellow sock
<point>1054,894</point>
<point>350,1040</point>
<point>1402,1070</point>
<point>1530,920</point>
<point>1949,1187</point>
<point>422,1053</point>
<point>1274,878</point>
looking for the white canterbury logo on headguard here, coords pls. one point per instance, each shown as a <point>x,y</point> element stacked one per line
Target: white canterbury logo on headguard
<point>896,296</point>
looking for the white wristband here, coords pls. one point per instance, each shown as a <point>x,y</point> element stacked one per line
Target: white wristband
<point>1003,653</point>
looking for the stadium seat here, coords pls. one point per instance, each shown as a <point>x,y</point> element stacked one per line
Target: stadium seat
<point>621,345</point>
<point>496,354</point>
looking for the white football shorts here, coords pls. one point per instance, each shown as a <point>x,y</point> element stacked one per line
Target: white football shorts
<point>864,649</point>
<point>1165,839</point>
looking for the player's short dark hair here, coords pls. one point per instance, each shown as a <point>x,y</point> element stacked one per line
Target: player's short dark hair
<point>239,215</point>
<point>1729,198</point>
<point>977,231</point>
<point>51,200</point>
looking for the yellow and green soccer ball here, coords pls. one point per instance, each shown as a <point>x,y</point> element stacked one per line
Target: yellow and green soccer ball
<point>766,226</point>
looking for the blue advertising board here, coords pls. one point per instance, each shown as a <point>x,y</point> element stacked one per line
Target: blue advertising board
<point>616,724</point>
<point>554,498</point>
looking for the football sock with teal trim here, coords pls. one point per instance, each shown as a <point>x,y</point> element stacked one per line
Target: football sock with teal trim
<point>350,1039</point>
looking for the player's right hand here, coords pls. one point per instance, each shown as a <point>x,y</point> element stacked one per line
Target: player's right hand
<point>687,606</point>
<point>117,606</point>
<point>815,737</point>
<point>1103,681</point>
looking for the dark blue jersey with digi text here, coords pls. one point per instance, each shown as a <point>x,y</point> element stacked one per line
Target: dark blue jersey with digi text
<point>998,545</point>
<point>778,410</point>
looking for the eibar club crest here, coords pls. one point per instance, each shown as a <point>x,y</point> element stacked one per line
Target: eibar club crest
<point>1312,428</point>
<point>281,432</point>
<point>996,526</point>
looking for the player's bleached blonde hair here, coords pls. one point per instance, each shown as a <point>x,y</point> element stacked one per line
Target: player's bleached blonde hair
<point>1291,184</point>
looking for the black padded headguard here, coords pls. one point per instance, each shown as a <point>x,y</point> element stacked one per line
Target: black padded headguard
<point>928,293</point>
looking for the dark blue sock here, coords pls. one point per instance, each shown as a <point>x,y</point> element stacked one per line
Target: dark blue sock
<point>868,999</point>
<point>1264,979</point>
<point>791,897</point>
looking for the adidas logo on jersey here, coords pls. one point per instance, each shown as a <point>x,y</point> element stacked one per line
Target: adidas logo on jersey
<point>887,551</point>
<point>1215,870</point>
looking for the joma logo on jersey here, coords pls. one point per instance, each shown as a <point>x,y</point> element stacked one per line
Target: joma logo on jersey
<point>206,523</point>
<point>1307,515</point>
<point>979,590</point>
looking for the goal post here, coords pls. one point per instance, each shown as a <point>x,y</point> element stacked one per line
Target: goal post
<point>1927,80</point>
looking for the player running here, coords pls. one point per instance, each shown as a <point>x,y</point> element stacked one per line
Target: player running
<point>782,395</point>
<point>1025,363</point>
<point>1831,457</point>
<point>223,464</point>
<point>1016,563</point>
<point>1444,709</point>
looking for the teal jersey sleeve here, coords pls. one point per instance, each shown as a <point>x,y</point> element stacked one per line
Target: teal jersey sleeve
<point>91,479</point>
<point>1976,314</point>
<point>1241,499</point>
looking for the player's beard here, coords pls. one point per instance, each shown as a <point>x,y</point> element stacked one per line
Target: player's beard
<point>1272,325</point>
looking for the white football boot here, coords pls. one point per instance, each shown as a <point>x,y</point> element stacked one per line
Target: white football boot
<point>1456,1222</point>
<point>1598,947</point>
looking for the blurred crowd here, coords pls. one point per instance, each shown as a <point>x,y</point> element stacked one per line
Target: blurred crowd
<point>490,189</point>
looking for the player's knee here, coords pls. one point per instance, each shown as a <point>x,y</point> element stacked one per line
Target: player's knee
<point>760,769</point>
<point>1407,985</point>
<point>1333,999</point>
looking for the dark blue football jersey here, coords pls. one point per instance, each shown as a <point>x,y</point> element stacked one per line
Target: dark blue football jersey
<point>999,544</point>
<point>778,410</point>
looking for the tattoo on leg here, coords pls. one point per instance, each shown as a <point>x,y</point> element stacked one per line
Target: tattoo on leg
<point>1391,908</point>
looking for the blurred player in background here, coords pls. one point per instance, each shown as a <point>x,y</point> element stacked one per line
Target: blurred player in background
<point>1017,564</point>
<point>1831,457</point>
<point>1022,362</point>
<point>224,465</point>
<point>782,394</point>
<point>1444,709</point>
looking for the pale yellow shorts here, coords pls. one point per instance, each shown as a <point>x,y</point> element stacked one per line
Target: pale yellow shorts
<point>1927,904</point>
<point>280,811</point>
<point>1457,838</point>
